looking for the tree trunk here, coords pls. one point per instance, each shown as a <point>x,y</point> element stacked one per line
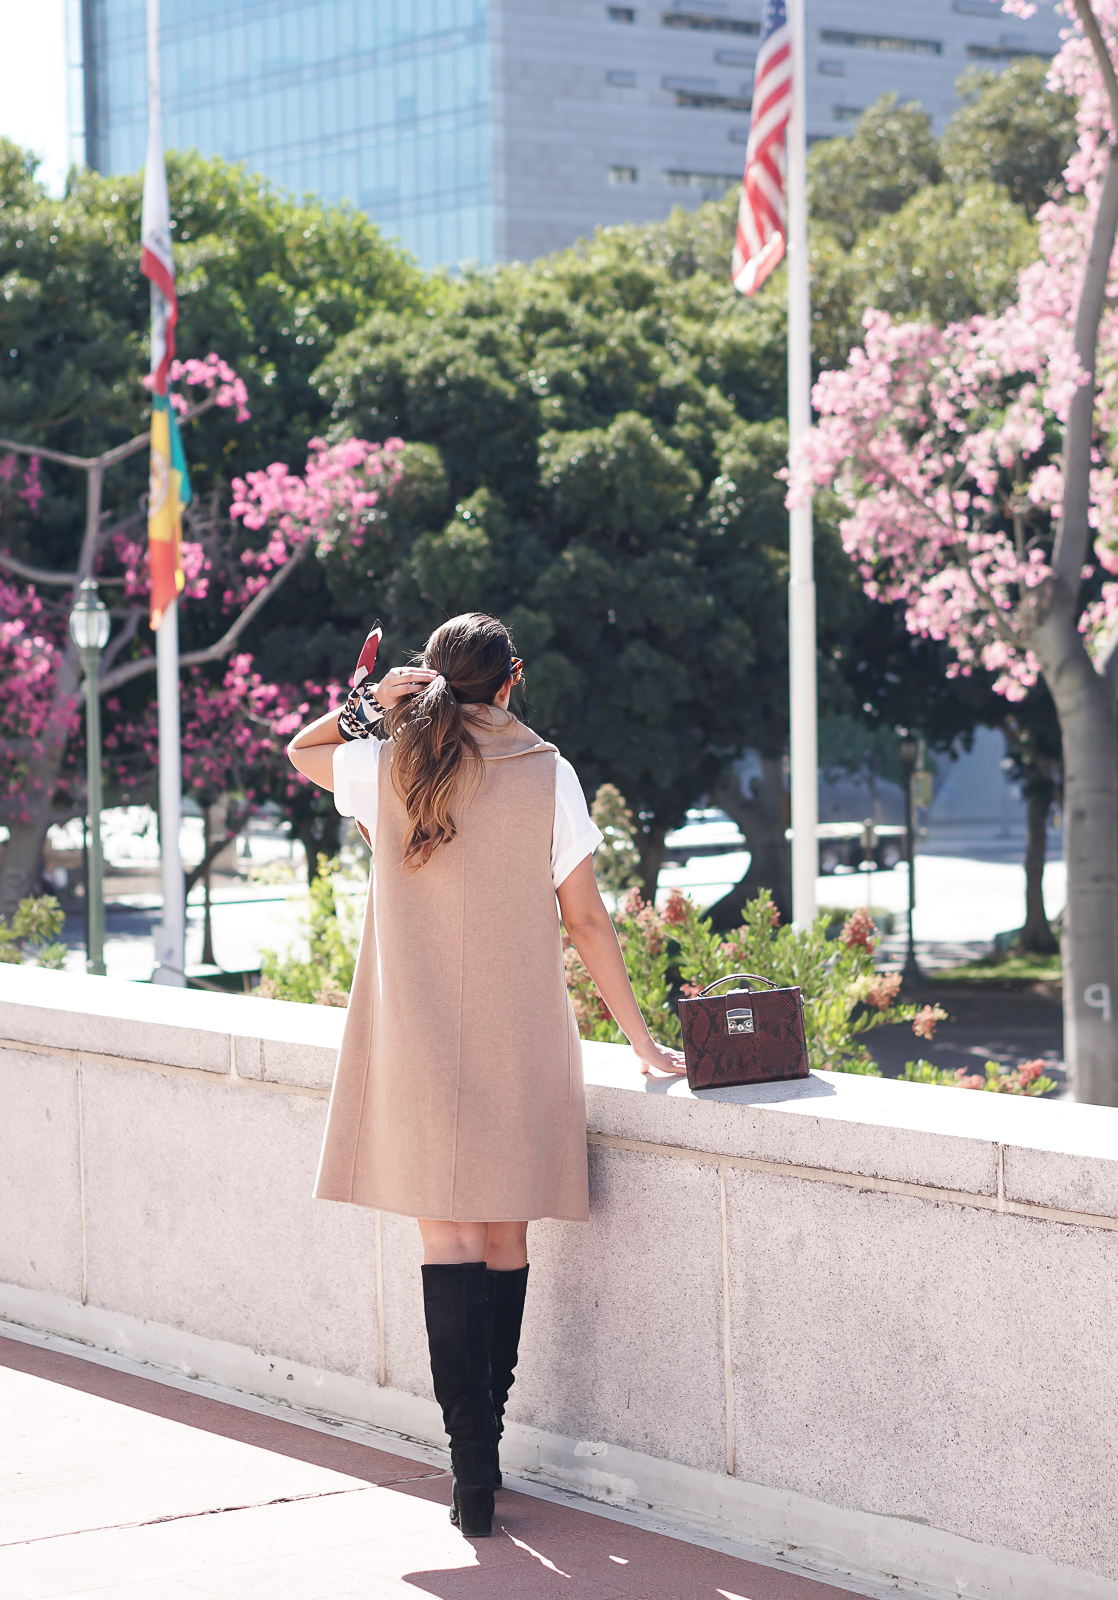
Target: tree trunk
<point>1089,724</point>
<point>1036,935</point>
<point>760,816</point>
<point>1090,938</point>
<point>650,847</point>
<point>1084,697</point>
<point>325,839</point>
<point>23,852</point>
<point>207,868</point>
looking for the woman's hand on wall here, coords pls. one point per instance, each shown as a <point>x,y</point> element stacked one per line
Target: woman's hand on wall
<point>652,1057</point>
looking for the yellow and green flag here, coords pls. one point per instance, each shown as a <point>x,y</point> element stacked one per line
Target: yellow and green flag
<point>169,492</point>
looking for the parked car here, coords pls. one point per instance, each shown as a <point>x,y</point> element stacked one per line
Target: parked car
<point>705,833</point>
<point>849,844</point>
<point>711,832</point>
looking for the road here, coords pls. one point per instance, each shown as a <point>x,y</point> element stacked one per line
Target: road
<point>961,903</point>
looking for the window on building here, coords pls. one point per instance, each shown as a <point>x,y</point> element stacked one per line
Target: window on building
<point>621,14</point>
<point>623,174</point>
<point>677,179</point>
<point>833,69</point>
<point>847,113</point>
<point>622,80</point>
<point>739,135</point>
<point>735,58</point>
<point>881,41</point>
<point>1003,52</point>
<point>712,102</point>
<point>709,24</point>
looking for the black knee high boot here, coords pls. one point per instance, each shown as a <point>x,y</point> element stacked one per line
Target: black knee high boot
<point>457,1334</point>
<point>505,1293</point>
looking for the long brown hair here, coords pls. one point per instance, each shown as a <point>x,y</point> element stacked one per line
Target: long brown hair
<point>431,733</point>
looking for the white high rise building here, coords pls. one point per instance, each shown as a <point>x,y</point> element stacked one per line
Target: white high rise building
<point>502,129</point>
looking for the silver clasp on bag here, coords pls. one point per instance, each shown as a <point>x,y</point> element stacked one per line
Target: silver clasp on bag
<point>739,1021</point>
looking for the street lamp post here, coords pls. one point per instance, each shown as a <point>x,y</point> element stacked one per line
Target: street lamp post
<point>89,628</point>
<point>908,751</point>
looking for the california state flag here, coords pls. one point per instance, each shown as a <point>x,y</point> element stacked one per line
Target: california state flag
<point>170,483</point>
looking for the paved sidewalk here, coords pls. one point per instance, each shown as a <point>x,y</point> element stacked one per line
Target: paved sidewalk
<point>119,1487</point>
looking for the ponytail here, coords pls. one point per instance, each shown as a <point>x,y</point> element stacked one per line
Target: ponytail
<point>431,734</point>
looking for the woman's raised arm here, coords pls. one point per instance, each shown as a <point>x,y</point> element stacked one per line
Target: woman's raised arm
<point>311,751</point>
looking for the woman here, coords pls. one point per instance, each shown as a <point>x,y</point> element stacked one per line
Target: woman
<point>458,1096</point>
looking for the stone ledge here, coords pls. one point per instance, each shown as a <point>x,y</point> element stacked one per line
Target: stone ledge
<point>268,1040</point>
<point>1052,1154</point>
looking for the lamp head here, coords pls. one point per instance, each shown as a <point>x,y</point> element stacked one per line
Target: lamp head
<point>90,623</point>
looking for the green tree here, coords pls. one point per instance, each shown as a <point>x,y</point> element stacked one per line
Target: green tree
<point>944,255</point>
<point>933,230</point>
<point>593,454</point>
<point>271,284</point>
<point>1012,131</point>
<point>939,247</point>
<point>890,157</point>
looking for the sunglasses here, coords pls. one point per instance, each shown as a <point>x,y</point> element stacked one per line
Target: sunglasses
<point>516,669</point>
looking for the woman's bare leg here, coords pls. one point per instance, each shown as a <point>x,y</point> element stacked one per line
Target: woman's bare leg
<point>503,1246</point>
<point>506,1246</point>
<point>450,1244</point>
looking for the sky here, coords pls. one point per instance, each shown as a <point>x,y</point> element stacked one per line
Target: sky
<point>33,83</point>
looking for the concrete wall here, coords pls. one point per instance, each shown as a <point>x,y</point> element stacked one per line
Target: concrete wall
<point>871,1324</point>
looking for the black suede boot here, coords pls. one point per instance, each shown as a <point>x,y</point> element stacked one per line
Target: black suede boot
<point>504,1292</point>
<point>454,1304</point>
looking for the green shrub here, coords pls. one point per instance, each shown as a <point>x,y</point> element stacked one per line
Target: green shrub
<point>33,931</point>
<point>617,859</point>
<point>844,997</point>
<point>836,917</point>
<point>333,933</point>
<point>1028,1078</point>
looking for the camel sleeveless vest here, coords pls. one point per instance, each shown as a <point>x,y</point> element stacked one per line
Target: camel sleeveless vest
<point>458,1092</point>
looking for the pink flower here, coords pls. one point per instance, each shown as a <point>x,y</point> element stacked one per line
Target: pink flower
<point>676,911</point>
<point>884,990</point>
<point>924,1022</point>
<point>859,929</point>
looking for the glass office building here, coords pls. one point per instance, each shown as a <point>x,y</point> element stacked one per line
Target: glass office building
<point>493,130</point>
<point>381,102</point>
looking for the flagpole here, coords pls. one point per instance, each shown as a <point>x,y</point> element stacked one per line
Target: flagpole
<point>170,936</point>
<point>803,741</point>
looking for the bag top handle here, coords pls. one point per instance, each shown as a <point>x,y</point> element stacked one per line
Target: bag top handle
<point>755,977</point>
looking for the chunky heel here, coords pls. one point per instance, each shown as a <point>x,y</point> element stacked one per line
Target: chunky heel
<point>475,1512</point>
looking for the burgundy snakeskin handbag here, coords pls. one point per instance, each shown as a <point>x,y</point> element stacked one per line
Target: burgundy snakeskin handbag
<point>744,1036</point>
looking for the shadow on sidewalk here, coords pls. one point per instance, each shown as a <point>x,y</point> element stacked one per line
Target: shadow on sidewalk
<point>538,1547</point>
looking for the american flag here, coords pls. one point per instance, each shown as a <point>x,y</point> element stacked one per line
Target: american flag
<point>759,243</point>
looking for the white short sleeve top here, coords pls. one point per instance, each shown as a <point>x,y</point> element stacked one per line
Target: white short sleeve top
<point>573,835</point>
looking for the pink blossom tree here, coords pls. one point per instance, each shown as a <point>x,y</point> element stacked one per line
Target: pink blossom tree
<point>974,463</point>
<point>233,731</point>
